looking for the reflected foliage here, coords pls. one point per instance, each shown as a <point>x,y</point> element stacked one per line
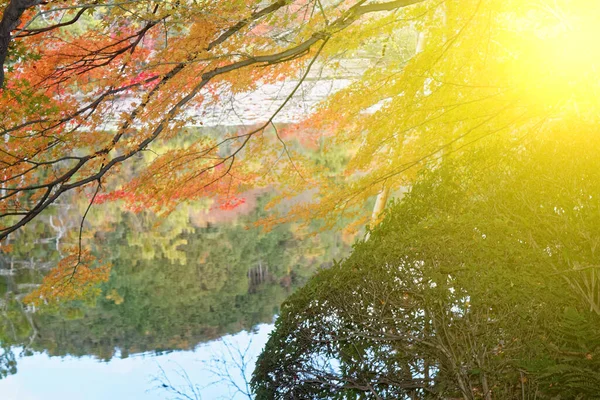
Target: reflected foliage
<point>481,283</point>
<point>190,282</point>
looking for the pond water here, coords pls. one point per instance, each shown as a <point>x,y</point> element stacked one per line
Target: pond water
<point>139,376</point>
<point>189,304</point>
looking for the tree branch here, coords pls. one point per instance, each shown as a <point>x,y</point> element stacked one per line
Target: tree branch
<point>10,20</point>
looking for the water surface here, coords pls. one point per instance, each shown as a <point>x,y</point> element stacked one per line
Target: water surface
<point>176,289</point>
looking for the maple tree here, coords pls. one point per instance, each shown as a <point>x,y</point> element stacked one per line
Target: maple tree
<point>77,104</point>
<point>88,87</point>
<point>471,71</point>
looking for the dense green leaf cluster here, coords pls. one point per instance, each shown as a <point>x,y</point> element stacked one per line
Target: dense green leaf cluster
<point>481,283</point>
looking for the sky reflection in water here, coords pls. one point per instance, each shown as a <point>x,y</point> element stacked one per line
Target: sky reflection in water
<point>69,378</point>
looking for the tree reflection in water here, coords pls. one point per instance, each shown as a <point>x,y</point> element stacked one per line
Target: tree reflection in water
<point>191,282</point>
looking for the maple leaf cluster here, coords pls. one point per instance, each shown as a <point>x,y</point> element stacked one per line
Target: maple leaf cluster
<point>76,277</point>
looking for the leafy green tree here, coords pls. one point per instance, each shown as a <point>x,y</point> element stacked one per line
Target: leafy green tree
<point>481,283</point>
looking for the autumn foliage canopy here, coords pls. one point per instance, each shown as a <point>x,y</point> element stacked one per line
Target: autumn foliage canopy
<point>90,88</point>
